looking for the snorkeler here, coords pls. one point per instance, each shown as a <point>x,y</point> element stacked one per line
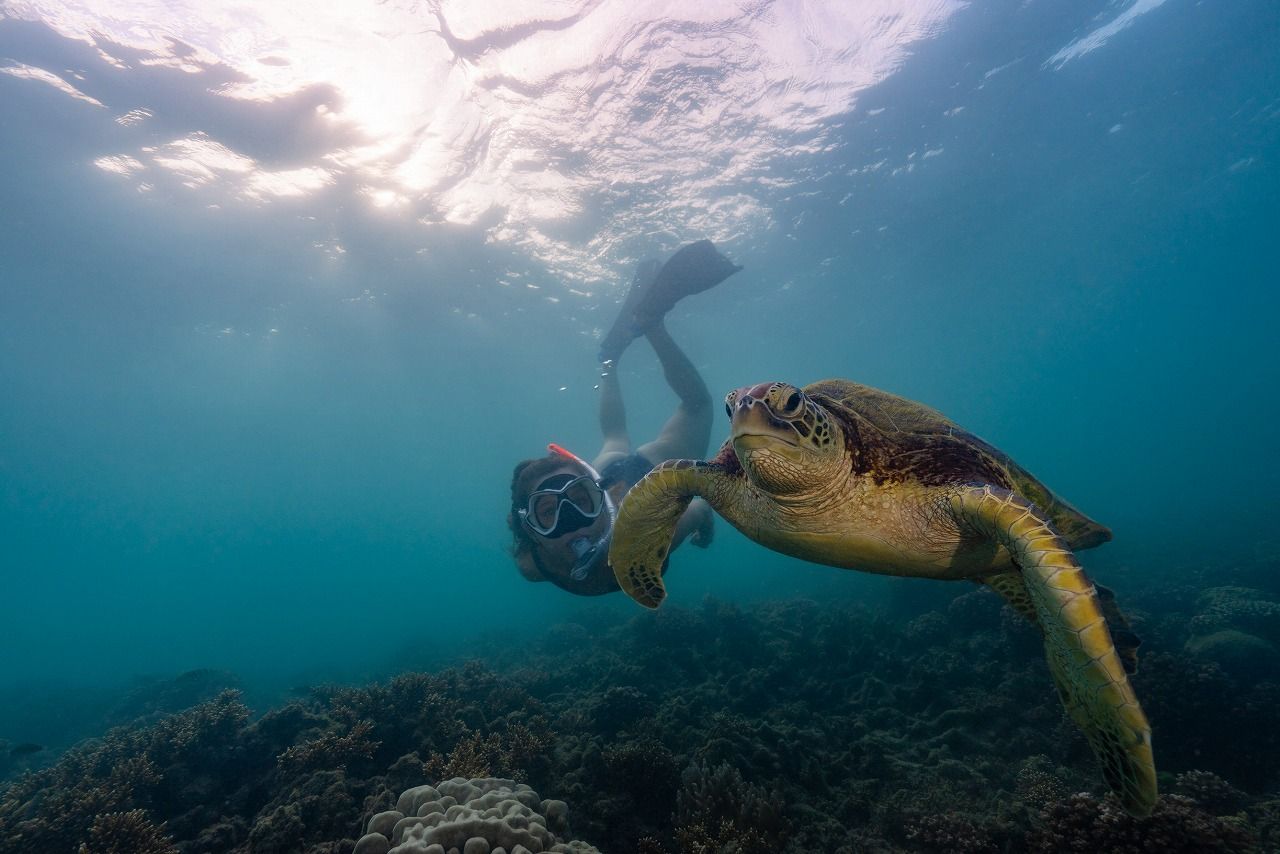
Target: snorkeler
<point>562,507</point>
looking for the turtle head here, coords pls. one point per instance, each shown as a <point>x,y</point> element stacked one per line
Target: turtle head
<point>785,442</point>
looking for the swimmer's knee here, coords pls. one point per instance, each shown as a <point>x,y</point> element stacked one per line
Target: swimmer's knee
<point>697,402</point>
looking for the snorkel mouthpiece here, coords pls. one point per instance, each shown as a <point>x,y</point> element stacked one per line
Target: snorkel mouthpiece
<point>586,552</point>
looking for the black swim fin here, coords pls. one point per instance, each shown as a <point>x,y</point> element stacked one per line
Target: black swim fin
<point>694,268</point>
<point>625,329</point>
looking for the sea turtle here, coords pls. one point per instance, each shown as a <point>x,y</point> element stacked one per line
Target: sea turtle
<point>847,475</point>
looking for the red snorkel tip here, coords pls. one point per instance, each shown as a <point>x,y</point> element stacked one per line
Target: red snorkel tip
<point>564,452</point>
<point>570,455</point>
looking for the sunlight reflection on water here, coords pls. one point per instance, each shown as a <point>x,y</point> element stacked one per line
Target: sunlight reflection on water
<point>525,117</point>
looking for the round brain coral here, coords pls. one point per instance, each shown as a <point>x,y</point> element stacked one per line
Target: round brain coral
<point>482,816</point>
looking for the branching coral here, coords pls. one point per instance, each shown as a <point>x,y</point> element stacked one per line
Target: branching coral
<point>480,755</point>
<point>1176,826</point>
<point>151,697</point>
<point>126,833</point>
<point>312,810</point>
<point>716,808</point>
<point>721,837</point>
<point>127,769</point>
<point>619,707</point>
<point>1210,792</point>
<point>647,772</point>
<point>331,751</point>
<point>950,833</point>
<point>1037,785</point>
<point>210,724</point>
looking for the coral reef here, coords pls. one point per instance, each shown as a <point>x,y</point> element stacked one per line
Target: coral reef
<point>951,833</point>
<point>1237,629</point>
<point>126,833</point>
<point>1210,792</point>
<point>151,697</point>
<point>716,810</point>
<point>792,726</point>
<point>1037,784</point>
<point>1240,608</point>
<point>55,809</point>
<point>331,751</point>
<point>1176,826</point>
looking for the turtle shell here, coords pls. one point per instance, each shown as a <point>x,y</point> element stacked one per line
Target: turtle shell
<point>893,439</point>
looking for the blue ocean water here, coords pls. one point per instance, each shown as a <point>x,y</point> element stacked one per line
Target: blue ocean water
<point>283,300</point>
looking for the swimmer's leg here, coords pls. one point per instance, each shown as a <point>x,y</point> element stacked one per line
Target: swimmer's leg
<point>688,431</point>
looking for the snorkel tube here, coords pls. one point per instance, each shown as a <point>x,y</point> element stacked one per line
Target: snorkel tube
<point>588,553</point>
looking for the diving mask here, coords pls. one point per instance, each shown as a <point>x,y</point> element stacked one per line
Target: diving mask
<point>561,506</point>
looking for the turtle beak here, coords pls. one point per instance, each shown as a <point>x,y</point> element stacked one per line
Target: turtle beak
<point>746,407</point>
<point>751,419</point>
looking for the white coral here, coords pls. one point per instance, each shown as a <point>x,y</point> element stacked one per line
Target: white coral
<point>458,816</point>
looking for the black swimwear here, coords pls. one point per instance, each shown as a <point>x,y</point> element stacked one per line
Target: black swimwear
<point>629,470</point>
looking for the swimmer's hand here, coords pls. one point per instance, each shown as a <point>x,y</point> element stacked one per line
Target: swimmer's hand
<point>705,530</point>
<point>695,525</point>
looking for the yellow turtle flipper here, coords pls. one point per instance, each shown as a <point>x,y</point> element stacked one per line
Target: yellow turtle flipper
<point>1082,658</point>
<point>646,523</point>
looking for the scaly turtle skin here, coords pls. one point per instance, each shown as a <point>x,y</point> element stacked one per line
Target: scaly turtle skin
<point>846,475</point>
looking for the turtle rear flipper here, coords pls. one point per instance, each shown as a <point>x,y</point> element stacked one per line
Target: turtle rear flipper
<point>647,521</point>
<point>1013,590</point>
<point>1082,657</point>
<point>1012,587</point>
<point>1122,634</point>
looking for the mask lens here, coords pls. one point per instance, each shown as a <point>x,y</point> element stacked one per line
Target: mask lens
<point>585,495</point>
<point>543,509</point>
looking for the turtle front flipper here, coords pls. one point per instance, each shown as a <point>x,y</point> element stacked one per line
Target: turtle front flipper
<point>646,523</point>
<point>1089,674</point>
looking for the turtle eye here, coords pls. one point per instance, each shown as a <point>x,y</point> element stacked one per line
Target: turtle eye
<point>793,402</point>
<point>728,403</point>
